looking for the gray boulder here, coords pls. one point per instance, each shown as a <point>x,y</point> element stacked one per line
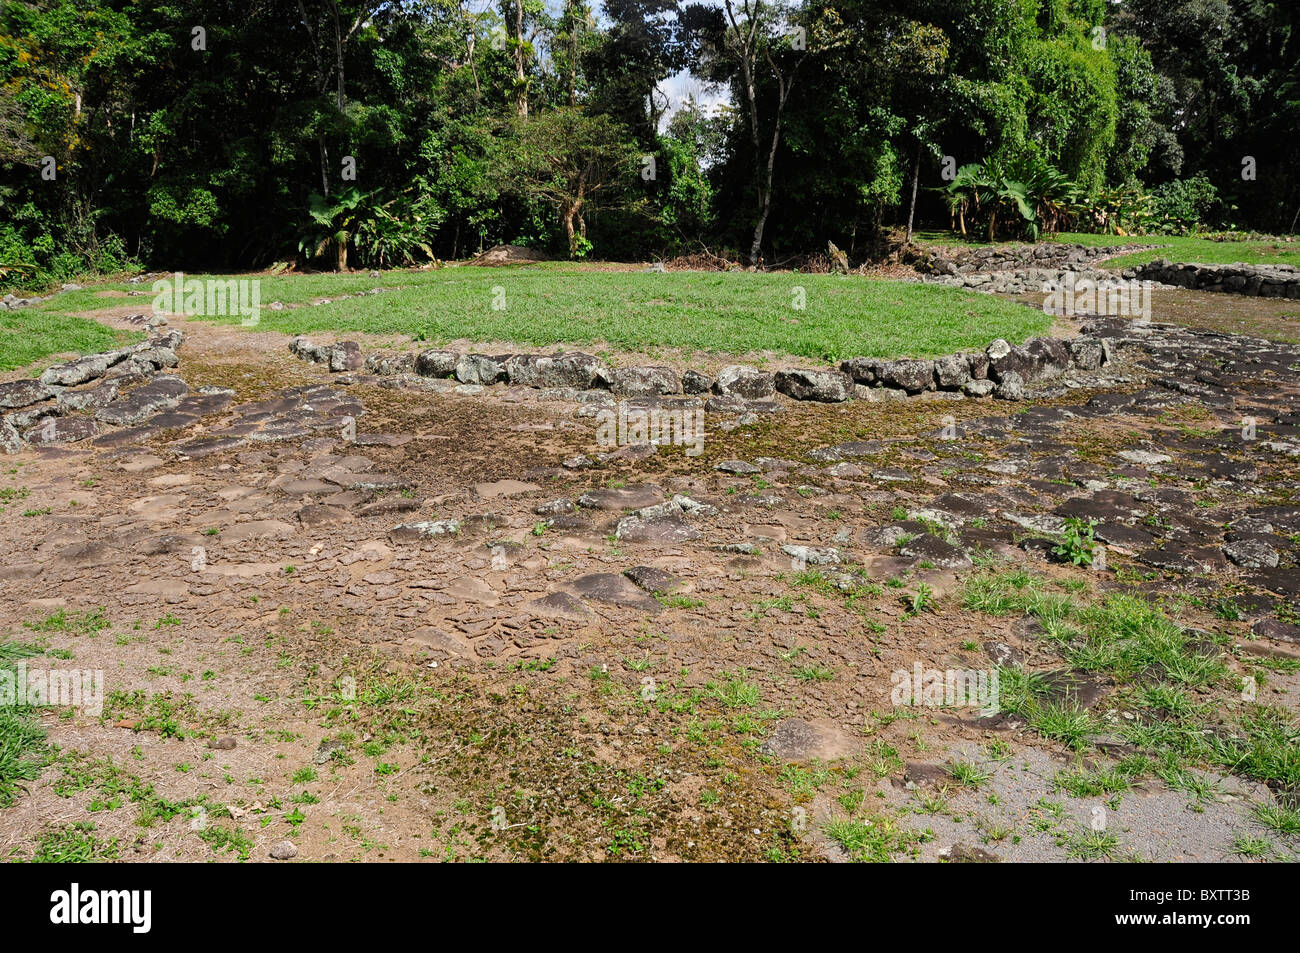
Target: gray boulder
<point>305,350</point>
<point>1010,387</point>
<point>24,393</point>
<point>863,370</point>
<point>156,358</point>
<point>386,365</point>
<point>953,371</point>
<point>748,383</point>
<point>1086,353</point>
<point>646,381</point>
<point>346,356</point>
<point>1048,357</point>
<point>825,386</point>
<point>436,363</point>
<point>78,371</point>
<point>1005,359</point>
<point>480,369</point>
<point>10,441</point>
<point>911,376</point>
<point>578,370</point>
<point>92,398</point>
<point>693,382</point>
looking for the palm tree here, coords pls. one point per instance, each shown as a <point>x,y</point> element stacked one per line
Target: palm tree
<point>966,191</point>
<point>334,222</point>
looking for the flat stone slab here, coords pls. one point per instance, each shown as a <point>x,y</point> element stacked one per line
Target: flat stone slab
<point>1277,630</point>
<point>316,514</point>
<point>653,580</point>
<point>202,446</point>
<point>859,448</point>
<point>614,589</point>
<point>1127,537</point>
<point>382,439</point>
<point>812,555</point>
<point>794,739</point>
<point>161,393</point>
<point>391,505</point>
<point>1145,458</point>
<point>90,398</point>
<point>633,497</point>
<point>1074,689</point>
<point>256,529</point>
<point>432,529</point>
<point>664,529</point>
<point>15,394</point>
<point>1193,559</point>
<point>939,552</point>
<point>55,430</point>
<point>504,488</point>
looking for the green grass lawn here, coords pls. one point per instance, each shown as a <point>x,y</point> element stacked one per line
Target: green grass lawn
<point>29,334</point>
<point>1174,247</point>
<point>733,313</point>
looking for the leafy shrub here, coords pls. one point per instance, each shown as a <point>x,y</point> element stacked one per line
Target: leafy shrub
<point>1184,205</point>
<point>1078,544</point>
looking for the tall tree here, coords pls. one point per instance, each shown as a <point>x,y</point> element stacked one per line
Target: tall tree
<point>569,160</point>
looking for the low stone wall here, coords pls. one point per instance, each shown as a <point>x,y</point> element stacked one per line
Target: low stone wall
<point>1018,269</point>
<point>984,259</point>
<point>1001,370</point>
<point>73,401</point>
<point>12,302</point>
<point>1263,281</point>
<point>1019,282</point>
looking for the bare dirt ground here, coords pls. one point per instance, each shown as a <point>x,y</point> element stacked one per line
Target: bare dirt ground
<point>526,677</point>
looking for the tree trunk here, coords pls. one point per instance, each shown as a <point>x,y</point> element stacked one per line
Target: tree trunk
<point>567,214</point>
<point>324,166</point>
<point>916,175</point>
<point>521,87</point>
<point>765,191</point>
<point>322,82</point>
<point>341,247</point>
<point>338,55</point>
<point>573,8</point>
<point>755,246</point>
<point>751,100</point>
<point>748,59</point>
